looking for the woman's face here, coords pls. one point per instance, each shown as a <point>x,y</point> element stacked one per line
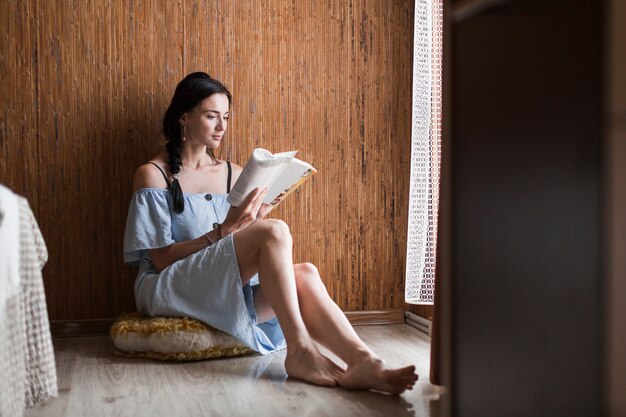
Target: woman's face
<point>206,123</point>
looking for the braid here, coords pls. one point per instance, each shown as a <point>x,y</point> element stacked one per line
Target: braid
<point>171,130</point>
<point>173,150</point>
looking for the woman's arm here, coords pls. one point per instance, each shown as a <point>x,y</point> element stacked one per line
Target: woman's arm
<point>237,218</point>
<point>164,257</point>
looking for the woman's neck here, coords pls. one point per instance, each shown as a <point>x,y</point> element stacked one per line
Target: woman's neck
<point>195,157</point>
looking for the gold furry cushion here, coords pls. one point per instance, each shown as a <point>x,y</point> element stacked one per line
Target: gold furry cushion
<point>172,338</point>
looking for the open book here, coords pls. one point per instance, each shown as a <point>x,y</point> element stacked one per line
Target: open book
<point>280,172</point>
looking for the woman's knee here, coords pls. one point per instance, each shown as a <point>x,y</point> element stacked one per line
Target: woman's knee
<point>277,229</point>
<point>307,268</point>
<point>249,242</point>
<point>308,277</point>
<point>252,238</point>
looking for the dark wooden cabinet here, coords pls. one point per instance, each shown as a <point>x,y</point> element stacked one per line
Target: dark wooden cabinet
<point>526,156</point>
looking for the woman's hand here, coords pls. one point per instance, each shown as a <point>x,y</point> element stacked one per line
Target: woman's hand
<point>264,211</point>
<point>241,217</point>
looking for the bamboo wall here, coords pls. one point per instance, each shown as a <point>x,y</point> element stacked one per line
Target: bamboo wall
<point>84,87</point>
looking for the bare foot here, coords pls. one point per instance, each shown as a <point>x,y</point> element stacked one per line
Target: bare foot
<point>308,364</point>
<point>372,374</point>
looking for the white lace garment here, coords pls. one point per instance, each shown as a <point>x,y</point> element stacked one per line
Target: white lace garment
<point>27,363</point>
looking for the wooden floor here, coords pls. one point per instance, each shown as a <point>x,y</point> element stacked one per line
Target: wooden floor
<point>94,382</point>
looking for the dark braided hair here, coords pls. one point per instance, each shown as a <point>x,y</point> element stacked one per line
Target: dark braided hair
<point>194,88</point>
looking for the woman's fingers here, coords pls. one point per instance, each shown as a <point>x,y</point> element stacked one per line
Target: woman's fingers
<point>258,198</point>
<point>261,195</point>
<point>254,194</point>
<point>264,210</point>
<point>246,213</point>
<point>252,204</point>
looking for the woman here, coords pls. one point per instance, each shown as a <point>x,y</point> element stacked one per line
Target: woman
<point>229,266</point>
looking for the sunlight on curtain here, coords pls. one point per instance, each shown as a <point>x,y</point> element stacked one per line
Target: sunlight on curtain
<point>425,153</point>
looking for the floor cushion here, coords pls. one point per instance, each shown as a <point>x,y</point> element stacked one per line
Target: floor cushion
<point>172,338</point>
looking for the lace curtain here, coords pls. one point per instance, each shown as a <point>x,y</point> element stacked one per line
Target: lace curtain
<point>425,153</point>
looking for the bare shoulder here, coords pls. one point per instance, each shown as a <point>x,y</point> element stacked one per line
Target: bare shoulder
<point>149,176</point>
<point>236,171</point>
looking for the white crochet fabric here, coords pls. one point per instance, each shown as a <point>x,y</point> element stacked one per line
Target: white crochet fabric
<point>27,361</point>
<point>425,153</point>
<point>9,234</point>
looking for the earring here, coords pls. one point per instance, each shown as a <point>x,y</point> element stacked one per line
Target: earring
<point>183,135</point>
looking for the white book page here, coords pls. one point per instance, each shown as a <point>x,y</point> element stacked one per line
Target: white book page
<point>292,172</point>
<point>260,171</point>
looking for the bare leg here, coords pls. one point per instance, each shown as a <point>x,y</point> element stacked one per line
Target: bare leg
<point>329,325</point>
<point>266,246</point>
<point>324,319</point>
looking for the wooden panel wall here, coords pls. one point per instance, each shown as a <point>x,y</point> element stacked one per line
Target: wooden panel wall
<point>85,85</point>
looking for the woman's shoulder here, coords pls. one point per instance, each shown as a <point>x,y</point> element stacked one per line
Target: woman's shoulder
<point>235,166</point>
<point>236,171</point>
<point>150,176</point>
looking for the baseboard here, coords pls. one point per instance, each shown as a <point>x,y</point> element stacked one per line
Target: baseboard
<point>369,317</point>
<point>100,327</point>
<point>418,322</point>
<point>74,328</point>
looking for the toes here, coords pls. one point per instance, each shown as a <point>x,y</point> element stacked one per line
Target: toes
<point>406,381</point>
<point>409,370</point>
<point>409,378</point>
<point>330,382</point>
<point>337,374</point>
<point>320,378</point>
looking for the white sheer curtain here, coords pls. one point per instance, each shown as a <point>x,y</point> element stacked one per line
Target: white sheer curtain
<point>425,153</point>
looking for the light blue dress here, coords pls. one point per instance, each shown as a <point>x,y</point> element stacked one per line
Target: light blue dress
<point>206,285</point>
